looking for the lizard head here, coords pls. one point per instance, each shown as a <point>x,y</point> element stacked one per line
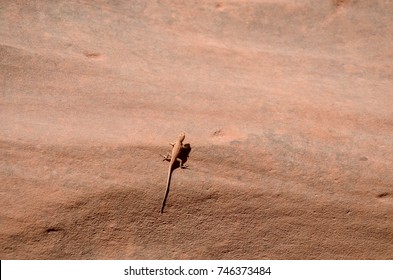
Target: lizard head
<point>182,135</point>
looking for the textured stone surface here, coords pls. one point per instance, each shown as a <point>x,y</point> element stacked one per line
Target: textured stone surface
<point>287,106</point>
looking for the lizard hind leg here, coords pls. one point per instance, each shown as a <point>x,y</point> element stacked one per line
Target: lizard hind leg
<point>166,157</point>
<point>182,166</point>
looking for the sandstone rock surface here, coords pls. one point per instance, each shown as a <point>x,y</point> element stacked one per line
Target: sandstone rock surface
<point>287,106</point>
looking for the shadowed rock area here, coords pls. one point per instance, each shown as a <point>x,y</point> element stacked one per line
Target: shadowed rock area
<point>287,106</point>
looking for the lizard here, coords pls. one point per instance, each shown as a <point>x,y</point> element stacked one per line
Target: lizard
<point>173,158</point>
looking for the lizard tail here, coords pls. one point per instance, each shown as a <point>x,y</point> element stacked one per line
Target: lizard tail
<point>167,189</point>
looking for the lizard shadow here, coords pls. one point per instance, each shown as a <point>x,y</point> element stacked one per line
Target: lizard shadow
<point>184,154</point>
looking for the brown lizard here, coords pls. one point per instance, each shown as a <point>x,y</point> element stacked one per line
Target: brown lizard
<point>173,158</point>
